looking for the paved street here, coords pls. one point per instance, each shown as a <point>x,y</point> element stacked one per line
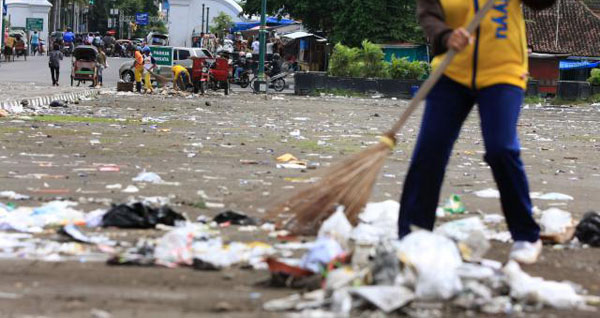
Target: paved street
<point>222,149</point>
<point>36,70</point>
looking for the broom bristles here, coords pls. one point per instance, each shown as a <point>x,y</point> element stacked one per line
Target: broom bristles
<point>348,184</point>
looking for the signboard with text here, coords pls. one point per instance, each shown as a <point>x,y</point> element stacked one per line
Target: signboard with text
<point>163,55</point>
<point>34,24</point>
<point>142,18</point>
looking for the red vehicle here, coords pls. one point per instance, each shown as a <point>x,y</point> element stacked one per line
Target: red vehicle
<point>210,74</point>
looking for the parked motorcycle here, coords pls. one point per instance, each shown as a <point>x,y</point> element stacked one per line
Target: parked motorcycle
<point>276,82</point>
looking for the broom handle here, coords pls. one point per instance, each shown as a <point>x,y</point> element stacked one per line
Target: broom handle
<point>437,73</point>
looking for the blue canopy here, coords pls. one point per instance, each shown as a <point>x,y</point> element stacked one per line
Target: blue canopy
<point>574,65</point>
<point>271,21</point>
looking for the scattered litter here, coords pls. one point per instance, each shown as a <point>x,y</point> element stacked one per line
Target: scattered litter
<point>588,230</point>
<point>324,251</point>
<point>488,193</point>
<point>140,216</point>
<point>149,177</point>
<point>11,195</point>
<point>555,221</point>
<point>535,289</point>
<point>131,189</point>
<point>454,205</point>
<point>234,218</point>
<point>551,196</point>
<point>435,259</point>
<point>386,298</point>
<point>116,186</point>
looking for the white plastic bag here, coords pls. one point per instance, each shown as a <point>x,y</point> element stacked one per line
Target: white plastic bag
<point>555,221</point>
<point>549,293</point>
<point>337,227</point>
<point>436,260</point>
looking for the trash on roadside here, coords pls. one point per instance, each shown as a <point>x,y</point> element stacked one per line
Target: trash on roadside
<point>286,158</point>
<point>552,196</point>
<point>74,232</point>
<point>460,230</point>
<point>454,205</point>
<point>336,227</point>
<point>289,161</point>
<point>434,259</point>
<point>588,230</point>
<point>557,226</point>
<point>535,289</point>
<point>488,193</point>
<point>131,189</point>
<point>140,216</point>
<point>325,250</point>
<point>12,195</point>
<point>234,218</point>
<point>148,177</point>
<point>385,298</point>
<point>33,220</point>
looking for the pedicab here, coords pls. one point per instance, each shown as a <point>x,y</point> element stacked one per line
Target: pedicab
<point>210,74</point>
<point>20,46</point>
<point>84,68</point>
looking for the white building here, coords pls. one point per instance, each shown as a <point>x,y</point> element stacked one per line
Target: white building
<point>19,10</point>
<point>185,17</point>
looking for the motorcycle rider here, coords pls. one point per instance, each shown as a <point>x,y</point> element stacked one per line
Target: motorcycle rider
<point>275,65</point>
<point>69,39</point>
<point>240,65</point>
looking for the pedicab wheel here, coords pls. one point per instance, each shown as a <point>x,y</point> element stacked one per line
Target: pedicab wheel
<point>227,87</point>
<point>279,85</point>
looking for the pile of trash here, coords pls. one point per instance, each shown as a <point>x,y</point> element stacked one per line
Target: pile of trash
<point>367,268</point>
<point>345,269</point>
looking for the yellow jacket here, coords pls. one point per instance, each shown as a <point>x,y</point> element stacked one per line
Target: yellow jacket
<point>499,52</point>
<point>177,70</point>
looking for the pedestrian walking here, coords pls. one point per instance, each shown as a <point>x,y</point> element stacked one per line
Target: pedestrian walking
<point>101,62</point>
<point>54,58</point>
<point>490,70</point>
<point>35,42</point>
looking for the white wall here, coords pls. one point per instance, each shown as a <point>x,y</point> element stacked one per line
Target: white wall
<point>20,10</point>
<point>185,15</point>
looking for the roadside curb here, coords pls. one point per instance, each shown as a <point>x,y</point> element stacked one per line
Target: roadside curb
<point>16,106</point>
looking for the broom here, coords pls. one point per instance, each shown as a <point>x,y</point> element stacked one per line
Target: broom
<point>350,182</point>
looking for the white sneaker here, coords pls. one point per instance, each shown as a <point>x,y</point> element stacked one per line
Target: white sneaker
<point>526,252</point>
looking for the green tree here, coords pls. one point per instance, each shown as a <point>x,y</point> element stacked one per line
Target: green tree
<point>221,24</point>
<point>350,21</point>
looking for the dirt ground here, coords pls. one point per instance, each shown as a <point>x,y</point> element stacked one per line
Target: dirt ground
<point>206,144</point>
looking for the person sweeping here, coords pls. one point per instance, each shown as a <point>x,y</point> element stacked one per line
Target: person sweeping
<point>138,68</point>
<point>484,65</point>
<point>181,77</point>
<point>149,66</point>
<point>490,69</point>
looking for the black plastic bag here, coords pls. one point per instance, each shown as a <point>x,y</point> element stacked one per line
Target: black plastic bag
<point>139,216</point>
<point>588,230</point>
<point>236,218</point>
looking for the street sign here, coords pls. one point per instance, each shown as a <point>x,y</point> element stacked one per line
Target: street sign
<point>163,55</point>
<point>142,18</point>
<point>34,24</point>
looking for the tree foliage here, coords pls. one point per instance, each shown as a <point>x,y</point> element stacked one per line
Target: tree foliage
<point>221,23</point>
<point>350,21</point>
<point>368,61</point>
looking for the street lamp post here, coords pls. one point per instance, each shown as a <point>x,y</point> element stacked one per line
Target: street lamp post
<point>261,82</point>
